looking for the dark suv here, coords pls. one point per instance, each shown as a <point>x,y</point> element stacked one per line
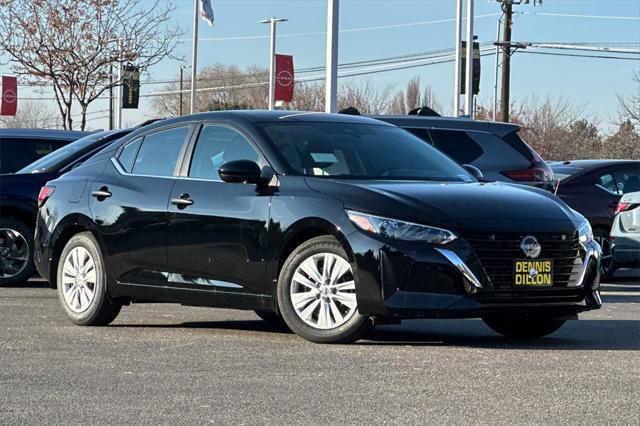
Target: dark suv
<point>19,147</point>
<point>494,148</point>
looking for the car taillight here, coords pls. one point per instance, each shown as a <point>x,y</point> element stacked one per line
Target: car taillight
<point>45,193</point>
<point>623,207</point>
<point>532,174</point>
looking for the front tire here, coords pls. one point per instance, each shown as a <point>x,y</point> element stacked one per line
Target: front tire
<point>16,252</point>
<point>317,293</point>
<point>523,327</point>
<point>82,283</point>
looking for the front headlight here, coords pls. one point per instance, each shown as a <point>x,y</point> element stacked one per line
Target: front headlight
<point>585,234</point>
<point>400,230</point>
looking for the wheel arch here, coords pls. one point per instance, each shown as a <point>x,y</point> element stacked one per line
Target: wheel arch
<point>65,230</point>
<point>19,211</point>
<point>301,231</point>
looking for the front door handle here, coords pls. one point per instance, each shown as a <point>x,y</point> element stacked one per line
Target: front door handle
<point>182,202</point>
<point>101,194</point>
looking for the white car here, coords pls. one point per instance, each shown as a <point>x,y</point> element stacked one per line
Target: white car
<point>625,232</point>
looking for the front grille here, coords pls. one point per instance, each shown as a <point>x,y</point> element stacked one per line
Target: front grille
<point>497,251</point>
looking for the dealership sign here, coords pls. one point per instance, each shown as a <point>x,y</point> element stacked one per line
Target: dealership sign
<point>9,102</point>
<point>130,87</point>
<point>284,78</point>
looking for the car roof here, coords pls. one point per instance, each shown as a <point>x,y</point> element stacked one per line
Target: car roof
<point>263,116</point>
<point>43,133</point>
<point>448,123</point>
<point>593,164</point>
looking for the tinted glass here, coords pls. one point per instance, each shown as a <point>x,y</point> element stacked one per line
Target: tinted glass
<point>607,182</point>
<point>564,172</point>
<point>515,141</point>
<point>217,145</point>
<point>128,155</point>
<point>159,152</point>
<point>627,180</point>
<point>457,145</point>
<point>16,153</point>
<point>67,154</point>
<point>359,151</point>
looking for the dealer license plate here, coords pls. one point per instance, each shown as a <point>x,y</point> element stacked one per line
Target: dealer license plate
<point>533,273</point>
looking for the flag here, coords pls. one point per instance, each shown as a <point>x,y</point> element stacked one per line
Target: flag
<point>284,78</point>
<point>9,102</point>
<point>207,11</point>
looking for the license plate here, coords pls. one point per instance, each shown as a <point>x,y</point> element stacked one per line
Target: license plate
<point>533,273</point>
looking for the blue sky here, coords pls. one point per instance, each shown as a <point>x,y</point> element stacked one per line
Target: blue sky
<point>593,82</point>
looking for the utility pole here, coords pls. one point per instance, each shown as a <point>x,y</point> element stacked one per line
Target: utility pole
<point>331,89</point>
<point>458,61</point>
<point>120,87</point>
<point>272,58</point>
<point>507,8</point>
<point>182,68</point>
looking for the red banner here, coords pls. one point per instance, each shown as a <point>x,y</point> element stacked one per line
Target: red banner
<point>284,78</point>
<point>9,102</point>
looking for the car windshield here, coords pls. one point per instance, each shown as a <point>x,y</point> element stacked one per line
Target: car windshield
<point>562,173</point>
<point>359,151</point>
<point>65,155</point>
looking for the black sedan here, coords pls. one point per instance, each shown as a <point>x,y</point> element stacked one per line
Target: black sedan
<point>331,223</point>
<point>593,188</point>
<point>19,202</point>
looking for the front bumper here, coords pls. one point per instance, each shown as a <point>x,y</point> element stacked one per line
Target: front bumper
<point>407,281</point>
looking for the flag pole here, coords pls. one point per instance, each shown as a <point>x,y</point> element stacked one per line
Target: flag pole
<point>194,56</point>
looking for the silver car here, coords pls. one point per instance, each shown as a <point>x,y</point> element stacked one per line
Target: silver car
<point>625,232</point>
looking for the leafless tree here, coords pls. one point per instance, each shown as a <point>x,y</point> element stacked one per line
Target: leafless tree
<point>71,44</point>
<point>398,106</point>
<point>629,105</point>
<point>412,94</point>
<point>30,115</point>
<point>365,96</point>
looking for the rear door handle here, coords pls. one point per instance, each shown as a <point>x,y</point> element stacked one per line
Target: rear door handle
<point>102,193</point>
<point>182,202</point>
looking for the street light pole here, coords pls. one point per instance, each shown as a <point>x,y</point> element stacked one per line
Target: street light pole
<point>495,72</point>
<point>458,61</point>
<point>272,58</point>
<point>182,68</point>
<point>468,105</point>
<point>331,94</point>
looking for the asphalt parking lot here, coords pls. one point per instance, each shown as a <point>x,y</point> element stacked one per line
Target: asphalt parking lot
<point>180,365</point>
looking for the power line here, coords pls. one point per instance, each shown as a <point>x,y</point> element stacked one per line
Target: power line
<point>574,55</point>
<point>570,15</point>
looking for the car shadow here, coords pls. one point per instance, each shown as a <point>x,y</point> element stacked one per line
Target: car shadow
<point>574,335</point>
<point>249,325</point>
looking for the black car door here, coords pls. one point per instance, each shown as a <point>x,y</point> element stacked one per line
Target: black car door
<point>129,205</point>
<point>218,230</point>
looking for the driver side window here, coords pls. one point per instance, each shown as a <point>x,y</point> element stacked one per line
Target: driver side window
<point>217,145</point>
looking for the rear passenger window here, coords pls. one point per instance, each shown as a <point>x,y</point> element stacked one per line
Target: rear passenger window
<point>159,152</point>
<point>128,155</point>
<point>16,153</point>
<point>457,145</point>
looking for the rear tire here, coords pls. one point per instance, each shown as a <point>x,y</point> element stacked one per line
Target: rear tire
<point>82,283</point>
<point>523,327</point>
<point>16,252</point>
<point>326,309</point>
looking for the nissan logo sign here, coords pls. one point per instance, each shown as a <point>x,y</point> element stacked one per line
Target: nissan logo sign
<point>530,247</point>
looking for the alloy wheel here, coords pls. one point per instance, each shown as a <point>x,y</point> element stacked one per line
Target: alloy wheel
<point>323,291</point>
<point>606,261</point>
<point>79,279</point>
<point>14,252</point>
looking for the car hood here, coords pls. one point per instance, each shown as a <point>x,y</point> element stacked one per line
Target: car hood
<point>465,205</point>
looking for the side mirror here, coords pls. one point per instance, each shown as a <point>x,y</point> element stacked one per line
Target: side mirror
<point>242,171</point>
<point>475,172</point>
